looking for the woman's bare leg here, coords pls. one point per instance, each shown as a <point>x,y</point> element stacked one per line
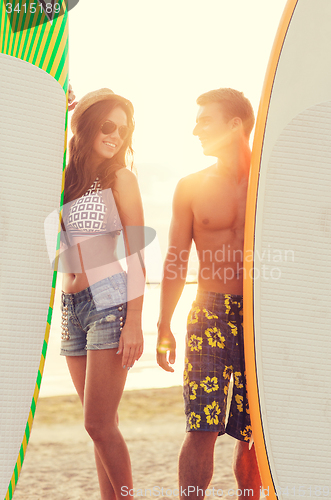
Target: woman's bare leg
<point>77,369</point>
<point>104,384</point>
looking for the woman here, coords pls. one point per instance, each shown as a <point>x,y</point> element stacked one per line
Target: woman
<point>101,328</point>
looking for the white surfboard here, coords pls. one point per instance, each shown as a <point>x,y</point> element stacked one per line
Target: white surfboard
<point>288,234</point>
<point>33,93</point>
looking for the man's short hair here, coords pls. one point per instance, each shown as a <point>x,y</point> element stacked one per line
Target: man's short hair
<point>233,103</point>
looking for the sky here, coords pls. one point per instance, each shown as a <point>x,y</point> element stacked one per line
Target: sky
<point>162,55</point>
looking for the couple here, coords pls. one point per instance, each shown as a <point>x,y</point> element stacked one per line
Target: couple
<point>102,304</point>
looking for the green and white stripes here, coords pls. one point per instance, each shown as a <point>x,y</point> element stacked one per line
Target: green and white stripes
<point>43,44</point>
<point>29,37</point>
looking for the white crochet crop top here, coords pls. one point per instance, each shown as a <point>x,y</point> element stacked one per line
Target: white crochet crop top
<point>90,215</point>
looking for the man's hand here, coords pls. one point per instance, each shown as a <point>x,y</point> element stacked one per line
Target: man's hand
<point>166,349</point>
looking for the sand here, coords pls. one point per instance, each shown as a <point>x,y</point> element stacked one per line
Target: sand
<point>59,463</point>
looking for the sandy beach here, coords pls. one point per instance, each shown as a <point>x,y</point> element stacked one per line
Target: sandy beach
<point>59,463</point>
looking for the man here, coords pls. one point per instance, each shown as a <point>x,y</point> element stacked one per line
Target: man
<point>209,208</point>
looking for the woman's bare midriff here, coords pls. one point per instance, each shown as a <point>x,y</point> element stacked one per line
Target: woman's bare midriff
<point>96,259</point>
<point>73,283</point>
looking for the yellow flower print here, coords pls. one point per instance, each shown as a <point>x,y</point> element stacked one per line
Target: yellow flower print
<point>209,314</point>
<point>212,411</point>
<point>215,338</point>
<point>227,372</point>
<point>239,401</point>
<point>226,389</point>
<point>195,343</point>
<point>247,432</point>
<point>194,421</point>
<point>210,384</point>
<point>188,365</point>
<point>188,368</point>
<point>237,381</point>
<point>234,329</point>
<point>193,316</point>
<point>194,387</point>
<point>227,303</point>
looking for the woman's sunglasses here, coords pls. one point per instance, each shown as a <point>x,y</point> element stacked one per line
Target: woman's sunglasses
<point>109,127</point>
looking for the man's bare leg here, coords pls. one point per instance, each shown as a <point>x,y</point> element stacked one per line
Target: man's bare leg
<point>246,471</point>
<point>196,463</point>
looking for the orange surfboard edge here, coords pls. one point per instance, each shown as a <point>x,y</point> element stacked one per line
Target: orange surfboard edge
<point>249,336</point>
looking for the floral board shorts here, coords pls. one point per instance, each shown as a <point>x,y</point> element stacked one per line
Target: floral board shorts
<point>93,318</point>
<point>214,352</point>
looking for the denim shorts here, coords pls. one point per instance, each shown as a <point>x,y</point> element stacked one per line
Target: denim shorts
<point>214,353</point>
<point>93,318</point>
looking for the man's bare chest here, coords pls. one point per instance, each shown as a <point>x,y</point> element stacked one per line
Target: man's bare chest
<point>219,206</point>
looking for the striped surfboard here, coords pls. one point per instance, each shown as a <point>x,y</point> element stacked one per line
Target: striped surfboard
<point>33,98</point>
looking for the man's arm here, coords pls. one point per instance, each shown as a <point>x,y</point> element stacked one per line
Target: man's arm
<point>175,270</point>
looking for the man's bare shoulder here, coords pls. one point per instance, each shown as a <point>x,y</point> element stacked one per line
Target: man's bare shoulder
<point>195,179</point>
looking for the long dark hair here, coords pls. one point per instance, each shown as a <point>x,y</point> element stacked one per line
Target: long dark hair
<point>79,176</point>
